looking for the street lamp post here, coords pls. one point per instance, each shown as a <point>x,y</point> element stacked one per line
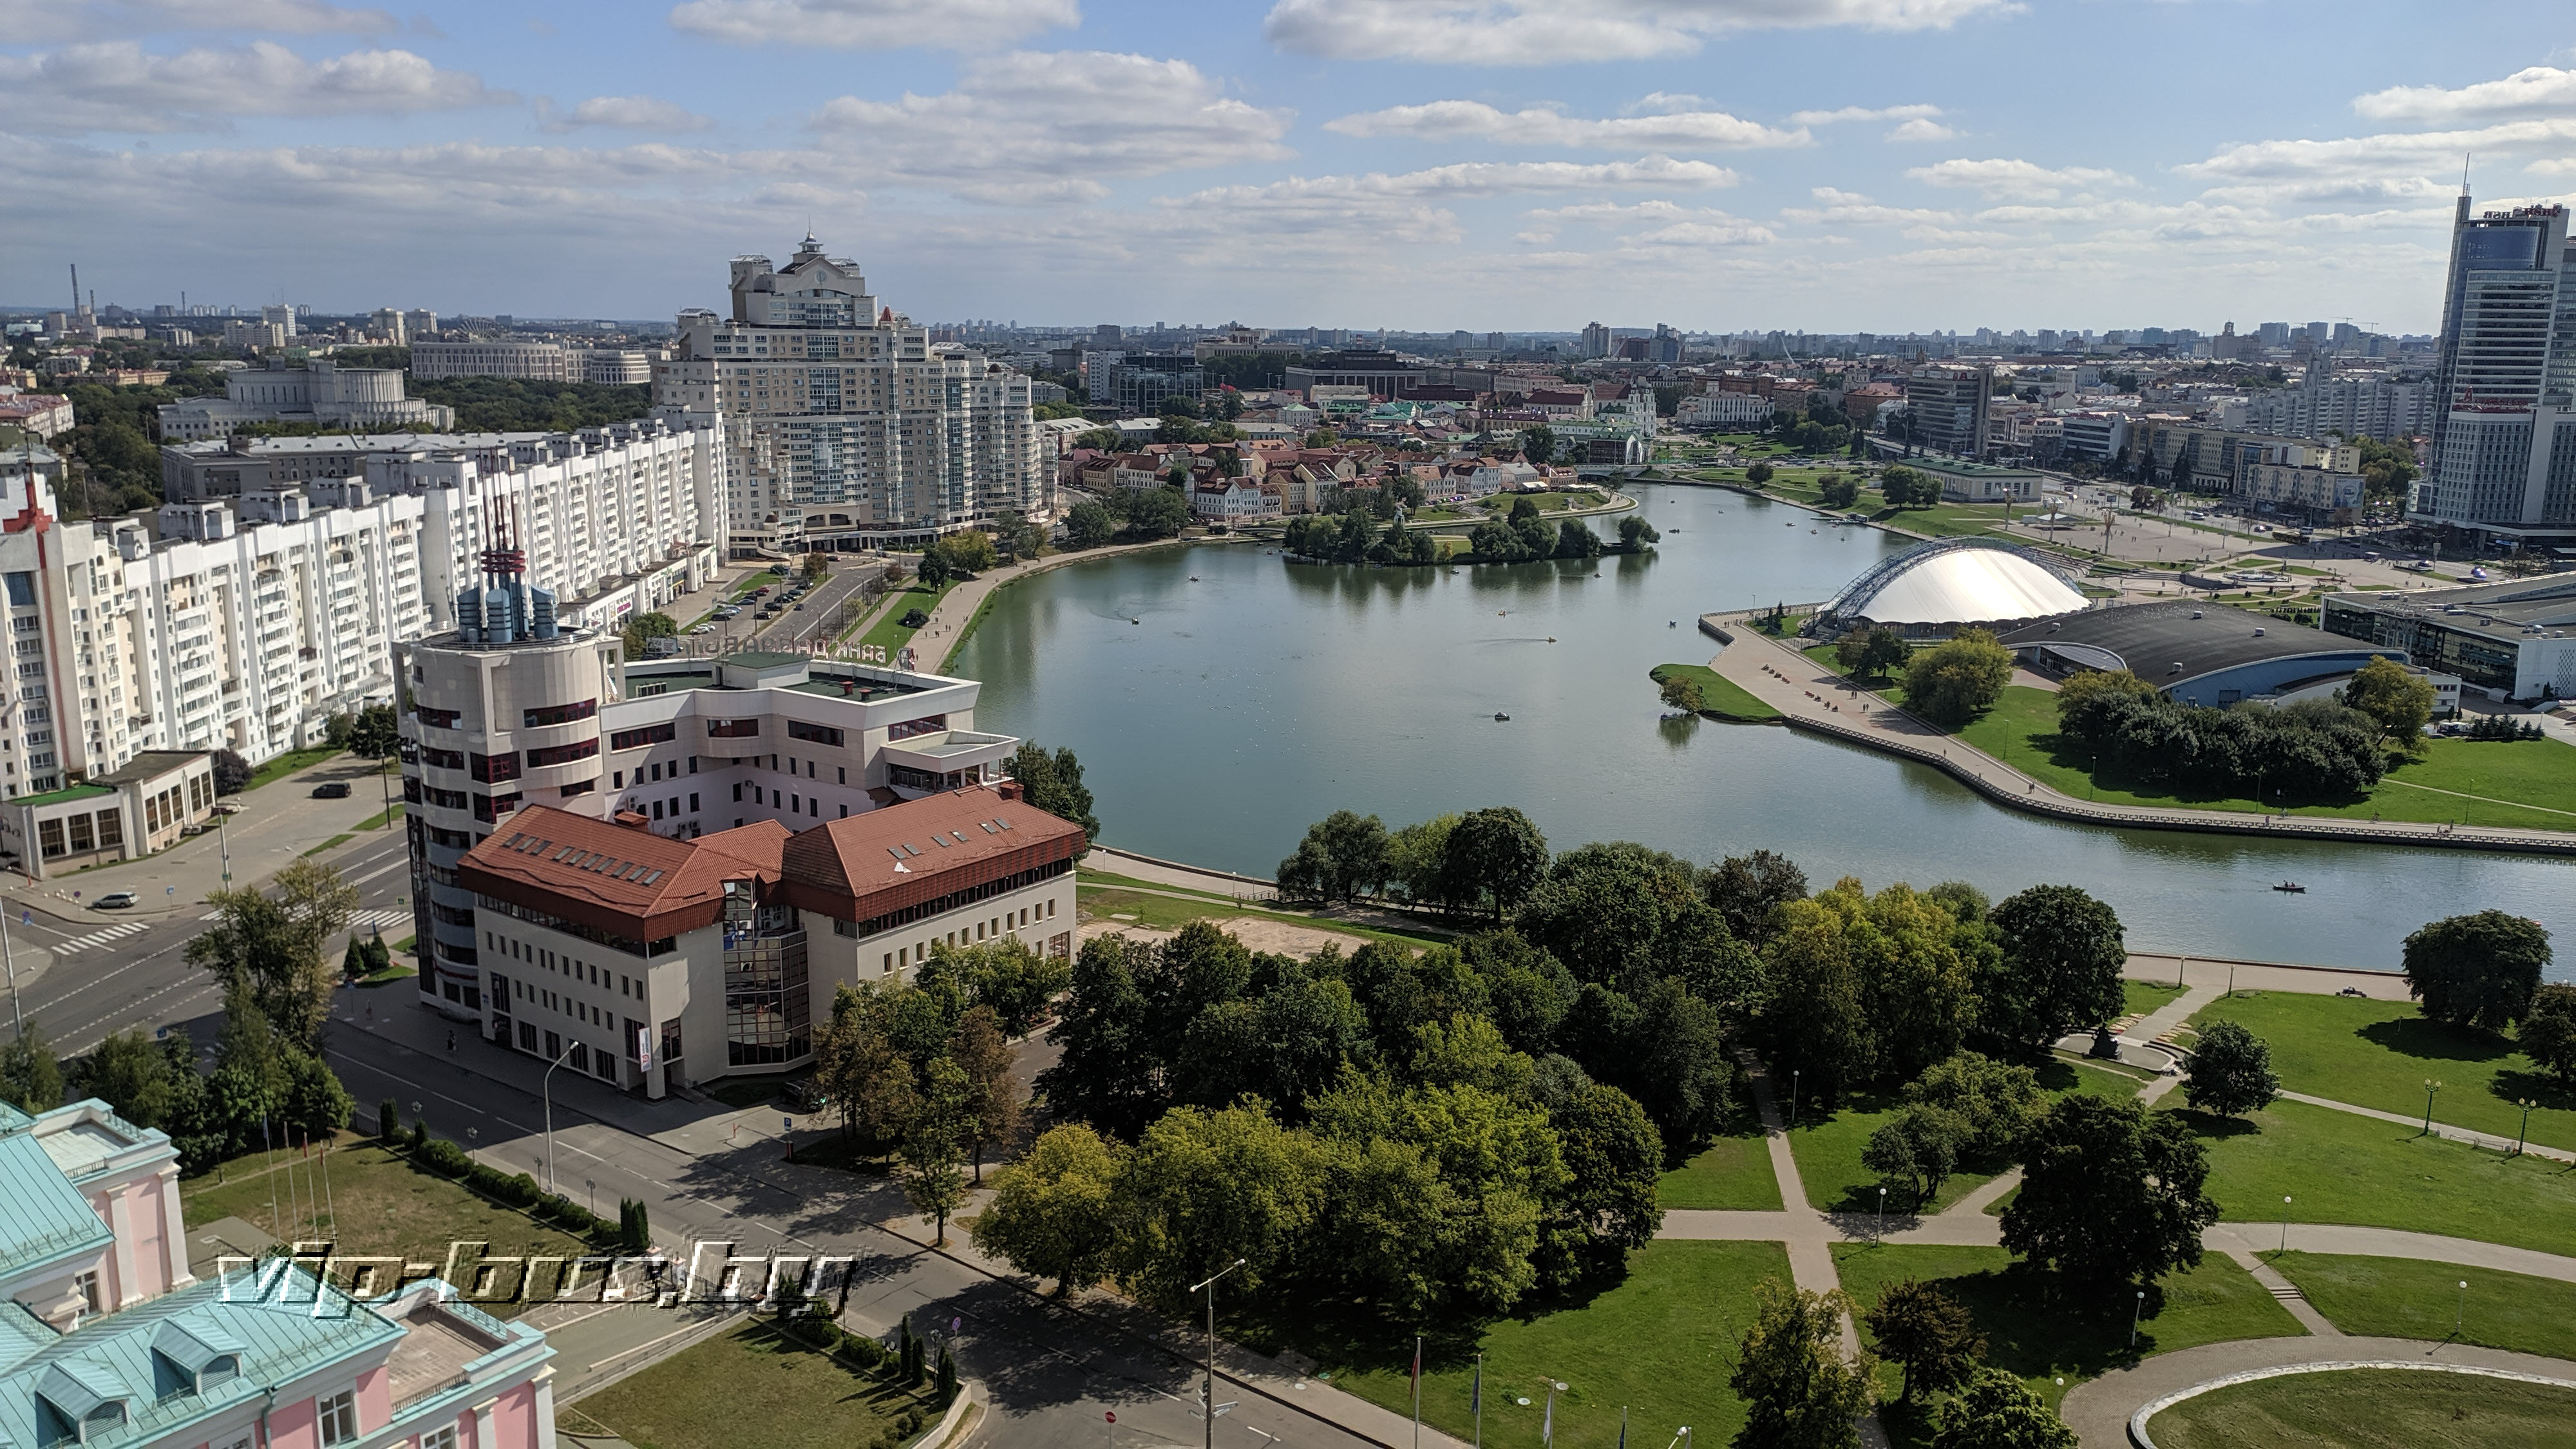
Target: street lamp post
<point>2520,1134</point>
<point>1794,1073</point>
<point>2460,1314</point>
<point>385,787</point>
<point>224,844</point>
<point>2285,1222</point>
<point>2135,1309</point>
<point>1881,1234</point>
<point>2430,1087</point>
<point>547,1090</point>
<point>1208,1406</point>
<point>11,962</point>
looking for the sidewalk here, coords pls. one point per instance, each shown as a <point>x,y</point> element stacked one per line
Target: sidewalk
<point>2098,1409</point>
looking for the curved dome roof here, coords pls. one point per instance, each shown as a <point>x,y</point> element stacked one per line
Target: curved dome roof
<point>1957,581</point>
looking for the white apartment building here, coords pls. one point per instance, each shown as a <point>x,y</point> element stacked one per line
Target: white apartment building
<point>847,427</point>
<point>359,397</point>
<point>535,361</point>
<point>1721,410</point>
<point>2353,407</point>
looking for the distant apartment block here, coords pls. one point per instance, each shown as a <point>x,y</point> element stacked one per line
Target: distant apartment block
<point>2353,407</point>
<point>1946,407</point>
<point>43,414</point>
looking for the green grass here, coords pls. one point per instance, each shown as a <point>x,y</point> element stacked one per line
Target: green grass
<point>405,945</point>
<point>1660,1343</point>
<point>1723,696</point>
<point>2044,1335</point>
<point>2370,1409</point>
<point>380,819</point>
<point>334,843</point>
<point>888,632</point>
<point>983,607</point>
<point>1167,913</point>
<point>2144,997</point>
<point>2339,1168</point>
<point>1732,1172</point>
<point>2021,730</point>
<point>1828,1144</point>
<point>2407,1298</point>
<point>287,764</point>
<point>806,1399</point>
<point>2380,1053</point>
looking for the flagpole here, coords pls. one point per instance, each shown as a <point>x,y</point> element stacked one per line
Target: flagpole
<point>1623,1426</point>
<point>1478,1395</point>
<point>1417,1391</point>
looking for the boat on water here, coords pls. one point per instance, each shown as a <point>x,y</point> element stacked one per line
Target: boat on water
<point>2291,887</point>
<point>1501,718</point>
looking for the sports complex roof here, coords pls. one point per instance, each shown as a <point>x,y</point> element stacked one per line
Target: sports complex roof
<point>1956,581</point>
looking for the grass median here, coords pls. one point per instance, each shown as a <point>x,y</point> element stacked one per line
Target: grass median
<point>756,1388</point>
<point>1719,695</point>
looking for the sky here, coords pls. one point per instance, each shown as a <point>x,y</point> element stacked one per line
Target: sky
<point>1724,165</point>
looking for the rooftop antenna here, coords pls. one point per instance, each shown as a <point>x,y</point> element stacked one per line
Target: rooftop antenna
<point>2464,171</point>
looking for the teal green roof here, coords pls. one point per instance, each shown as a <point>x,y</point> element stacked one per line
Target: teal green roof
<point>42,1216</point>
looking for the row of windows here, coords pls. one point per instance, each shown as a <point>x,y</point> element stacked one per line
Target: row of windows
<point>1009,922</point>
<point>555,714</point>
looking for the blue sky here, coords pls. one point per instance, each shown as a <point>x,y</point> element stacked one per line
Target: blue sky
<point>1722,164</point>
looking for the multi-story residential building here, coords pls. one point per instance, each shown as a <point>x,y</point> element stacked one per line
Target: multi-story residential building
<point>43,414</point>
<point>318,392</point>
<point>515,711</point>
<point>1946,407</point>
<point>846,427</point>
<point>1596,340</point>
<point>2101,436</point>
<point>535,361</point>
<point>116,1340</point>
<point>2503,457</point>
<point>2354,407</point>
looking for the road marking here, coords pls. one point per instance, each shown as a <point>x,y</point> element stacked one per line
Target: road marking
<point>386,870</point>
<point>101,938</point>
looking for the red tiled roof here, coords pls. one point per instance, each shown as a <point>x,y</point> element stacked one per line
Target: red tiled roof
<point>869,865</point>
<point>617,878</point>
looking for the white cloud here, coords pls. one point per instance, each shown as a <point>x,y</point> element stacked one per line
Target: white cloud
<point>1550,32</point>
<point>1863,113</point>
<point>1920,129</point>
<point>1475,179</point>
<point>2538,91</point>
<point>874,24</point>
<point>1846,208</point>
<point>1699,234</point>
<point>1547,126</point>
<point>116,86</point>
<point>40,22</point>
<point>2001,177</point>
<point>2395,155</point>
<point>1025,116</point>
<point>626,113</point>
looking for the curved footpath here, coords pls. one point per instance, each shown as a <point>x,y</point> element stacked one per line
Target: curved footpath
<point>1803,692</point>
<point>2098,1409</point>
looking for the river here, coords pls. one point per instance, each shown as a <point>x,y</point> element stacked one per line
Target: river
<point>1221,700</point>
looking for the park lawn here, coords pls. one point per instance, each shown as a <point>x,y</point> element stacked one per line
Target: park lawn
<point>888,633</point>
<point>2370,1409</point>
<point>2340,1168</point>
<point>2144,997</point>
<point>1950,520</point>
<point>287,764</point>
<point>394,1207</point>
<point>1733,1171</point>
<point>805,1398</point>
<point>2409,1298</point>
<point>2043,1335</point>
<point>1660,1344</point>
<point>1828,1144</point>
<point>1085,875</point>
<point>2021,730</point>
<point>1166,913</point>
<point>2380,1053</point>
<point>1723,696</point>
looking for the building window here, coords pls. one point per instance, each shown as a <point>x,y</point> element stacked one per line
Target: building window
<point>733,729</point>
<point>555,714</point>
<point>339,1417</point>
<point>562,754</point>
<point>49,837</point>
<point>82,841</point>
<point>926,725</point>
<point>439,1438</point>
<point>798,729</point>
<point>111,829</point>
<point>86,1285</point>
<point>648,735</point>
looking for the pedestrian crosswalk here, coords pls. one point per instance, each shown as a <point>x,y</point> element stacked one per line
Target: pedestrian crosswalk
<point>96,939</point>
<point>371,921</point>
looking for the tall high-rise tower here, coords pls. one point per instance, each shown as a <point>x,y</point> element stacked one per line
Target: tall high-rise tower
<point>2503,455</point>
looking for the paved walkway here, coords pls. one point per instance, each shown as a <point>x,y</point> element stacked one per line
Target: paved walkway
<point>2098,1410</point>
<point>1812,697</point>
<point>2488,1140</point>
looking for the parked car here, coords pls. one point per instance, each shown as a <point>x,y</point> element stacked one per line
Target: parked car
<point>803,1095</point>
<point>704,629</point>
<point>331,790</point>
<point>229,807</point>
<point>117,901</point>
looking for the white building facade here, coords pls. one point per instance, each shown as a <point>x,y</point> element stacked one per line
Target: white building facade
<point>356,397</point>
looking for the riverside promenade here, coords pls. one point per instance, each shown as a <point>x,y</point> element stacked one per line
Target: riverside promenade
<point>1816,699</point>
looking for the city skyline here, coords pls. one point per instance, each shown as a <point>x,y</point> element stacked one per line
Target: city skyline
<point>1889,165</point>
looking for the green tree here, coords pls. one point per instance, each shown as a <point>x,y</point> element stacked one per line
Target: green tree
<point>1954,681</point>
<point>1538,444</point>
<point>2230,1072</point>
<point>2059,968</point>
<point>1158,513</point>
<point>2477,970</point>
<point>1614,1156</point>
<point>30,1079</point>
<point>1873,654</point>
<point>1915,1151</point>
<point>1994,1102</point>
<point>1089,525</point>
<point>2399,699</point>
<point>2548,1031</point>
<point>1836,491</point>
<point>641,627</point>
<point>1053,783</point>
<point>1815,1020</point>
<point>274,943</point>
<point>2110,1193</point>
<point>1342,858</point>
<point>1575,539</point>
<point>1758,474</point>
<point>1996,1410</point>
<point>993,1097</point>
<point>1745,889</point>
<point>968,551</point>
<point>2085,690</point>
<point>1613,908</point>
<point>1906,487</point>
<point>1635,533</point>
<point>1204,1188</point>
<point>316,1106</point>
<point>935,572</point>
<point>1683,693</point>
<point>373,733</point>
<point>1054,1212</point>
<point>1920,1327</point>
<point>1799,1392</point>
<point>1017,980</point>
<point>934,1146</point>
<point>1414,856</point>
<point>817,564</point>
<point>1491,860</point>
<point>1110,1046</point>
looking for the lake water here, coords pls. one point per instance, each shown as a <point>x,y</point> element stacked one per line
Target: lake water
<point>1259,696</point>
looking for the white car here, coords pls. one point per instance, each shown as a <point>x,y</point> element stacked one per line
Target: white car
<point>704,629</point>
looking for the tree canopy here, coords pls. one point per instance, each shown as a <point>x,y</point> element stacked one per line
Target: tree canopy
<point>2477,970</point>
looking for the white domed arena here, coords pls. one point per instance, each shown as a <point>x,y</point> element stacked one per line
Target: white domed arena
<point>1949,584</point>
